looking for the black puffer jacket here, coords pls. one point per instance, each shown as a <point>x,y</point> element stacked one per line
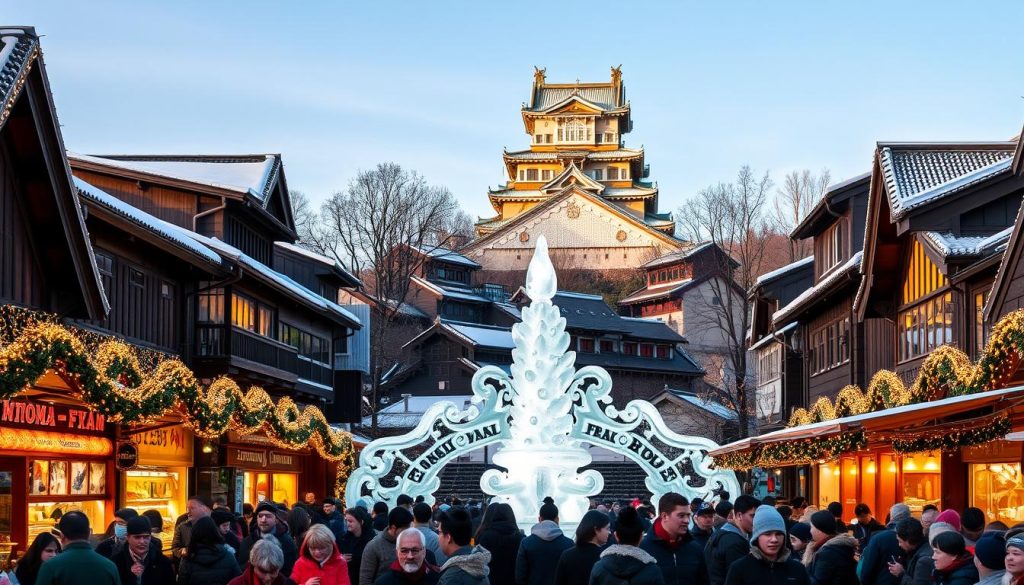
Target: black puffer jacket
<point>629,564</point>
<point>208,567</point>
<point>832,563</point>
<point>682,564</point>
<point>755,569</point>
<point>961,572</point>
<point>726,546</point>
<point>351,544</point>
<point>576,563</point>
<point>502,538</point>
<point>539,554</point>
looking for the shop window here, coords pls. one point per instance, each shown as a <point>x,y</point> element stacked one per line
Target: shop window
<point>997,489</point>
<point>921,481</point>
<point>277,487</point>
<point>925,326</point>
<point>828,483</point>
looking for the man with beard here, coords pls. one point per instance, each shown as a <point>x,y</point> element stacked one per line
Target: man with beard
<point>410,566</point>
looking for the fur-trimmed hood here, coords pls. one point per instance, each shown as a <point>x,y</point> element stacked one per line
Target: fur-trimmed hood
<point>757,554</point>
<point>473,561</point>
<point>840,540</point>
<point>633,552</point>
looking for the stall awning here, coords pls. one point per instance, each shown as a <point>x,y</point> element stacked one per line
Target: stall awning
<point>890,419</point>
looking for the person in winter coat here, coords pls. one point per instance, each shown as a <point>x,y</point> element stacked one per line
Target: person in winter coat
<point>575,564</point>
<point>224,519</point>
<point>829,557</point>
<point>266,561</point>
<point>731,542</point>
<point>380,516</point>
<point>44,547</point>
<point>359,532</point>
<point>138,562</point>
<point>113,545</point>
<point>421,514</point>
<point>882,549</point>
<point>269,527</point>
<point>799,536</point>
<point>703,525</point>
<point>769,561</point>
<point>78,564</point>
<point>1014,560</point>
<point>539,553</point>
<point>680,558</point>
<point>627,563</point>
<point>410,566</point>
<point>953,564</point>
<point>501,537</point>
<point>320,561</point>
<point>380,552</point>
<point>990,558</point>
<point>466,565</point>
<point>914,565</point>
<point>208,562</point>
<point>866,525</point>
<point>332,518</point>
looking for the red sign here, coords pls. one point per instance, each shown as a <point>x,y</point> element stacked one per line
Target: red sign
<point>35,415</point>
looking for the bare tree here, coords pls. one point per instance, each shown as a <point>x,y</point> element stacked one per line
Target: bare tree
<point>381,227</point>
<point>732,216</point>
<point>800,191</point>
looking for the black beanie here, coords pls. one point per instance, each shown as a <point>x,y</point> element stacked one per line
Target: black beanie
<point>824,521</point>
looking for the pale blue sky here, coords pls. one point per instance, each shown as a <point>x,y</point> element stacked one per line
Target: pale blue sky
<point>437,86</point>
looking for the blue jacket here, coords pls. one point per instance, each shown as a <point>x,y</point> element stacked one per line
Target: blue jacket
<point>882,548</point>
<point>680,565</point>
<point>538,554</point>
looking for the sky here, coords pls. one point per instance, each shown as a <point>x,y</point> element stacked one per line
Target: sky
<point>437,87</point>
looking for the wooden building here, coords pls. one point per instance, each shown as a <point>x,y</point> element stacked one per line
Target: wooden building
<point>577,185</point>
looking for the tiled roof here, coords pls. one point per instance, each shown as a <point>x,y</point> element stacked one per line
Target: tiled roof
<point>450,292</point>
<point>602,96</point>
<point>18,45</point>
<point>773,336</point>
<point>953,246</point>
<point>615,154</point>
<point>634,191</point>
<point>482,335</point>
<point>716,408</point>
<point>677,256</point>
<point>446,255</point>
<point>916,174</point>
<point>620,153</point>
<point>655,292</point>
<point>254,174</point>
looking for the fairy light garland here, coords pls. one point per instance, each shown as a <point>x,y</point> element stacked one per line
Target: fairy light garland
<point>950,440</point>
<point>133,386</point>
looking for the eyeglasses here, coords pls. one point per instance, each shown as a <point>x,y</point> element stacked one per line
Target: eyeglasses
<point>410,551</point>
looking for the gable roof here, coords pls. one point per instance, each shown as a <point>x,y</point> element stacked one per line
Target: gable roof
<point>549,97</point>
<point>918,173</point>
<point>1008,263</point>
<point>55,213</point>
<point>351,279</point>
<point>835,194</point>
<point>849,269</point>
<point>591,313</point>
<point>445,255</point>
<point>790,268</point>
<point>573,176</point>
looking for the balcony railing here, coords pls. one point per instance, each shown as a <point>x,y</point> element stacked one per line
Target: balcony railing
<point>314,371</point>
<point>211,341</point>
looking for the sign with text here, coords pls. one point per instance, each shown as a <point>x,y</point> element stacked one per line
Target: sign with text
<point>166,446</point>
<point>63,443</point>
<point>263,459</point>
<point>42,416</point>
<point>127,455</point>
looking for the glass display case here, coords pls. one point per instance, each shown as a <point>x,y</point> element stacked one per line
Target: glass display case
<point>997,489</point>
<point>161,489</point>
<point>43,516</point>
<point>282,488</point>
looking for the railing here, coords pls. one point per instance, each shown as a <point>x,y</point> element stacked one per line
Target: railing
<point>262,350</point>
<point>210,341</point>
<point>314,371</point>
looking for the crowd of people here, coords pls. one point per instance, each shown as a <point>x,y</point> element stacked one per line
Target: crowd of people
<point>678,542</point>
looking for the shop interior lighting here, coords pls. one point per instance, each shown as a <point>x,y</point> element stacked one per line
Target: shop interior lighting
<point>931,464</point>
<point>892,466</point>
<point>835,471</point>
<point>909,464</point>
<point>871,467</point>
<point>207,448</point>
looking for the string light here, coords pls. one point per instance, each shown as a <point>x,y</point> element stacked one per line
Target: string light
<point>129,385</point>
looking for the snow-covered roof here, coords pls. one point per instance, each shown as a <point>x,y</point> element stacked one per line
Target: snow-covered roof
<point>282,281</point>
<point>318,257</point>
<point>482,335</point>
<point>916,174</point>
<point>778,272</point>
<point>178,235</point>
<point>716,408</point>
<point>446,255</point>
<point>450,292</point>
<point>677,256</point>
<point>407,412</point>
<point>654,292</point>
<point>509,309</point>
<point>253,174</point>
<point>853,264</point>
<point>773,336</point>
<point>953,245</point>
<point>17,46</point>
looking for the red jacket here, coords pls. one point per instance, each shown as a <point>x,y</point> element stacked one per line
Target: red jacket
<point>333,572</point>
<point>248,577</point>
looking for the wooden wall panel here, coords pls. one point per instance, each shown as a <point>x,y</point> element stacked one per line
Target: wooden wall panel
<point>171,205</point>
<point>21,278</point>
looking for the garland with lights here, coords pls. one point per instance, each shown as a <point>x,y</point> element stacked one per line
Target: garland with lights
<point>109,376</point>
<point>946,372</point>
<point>794,452</point>
<point>955,438</point>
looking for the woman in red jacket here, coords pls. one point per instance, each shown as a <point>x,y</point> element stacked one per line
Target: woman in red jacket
<point>320,561</point>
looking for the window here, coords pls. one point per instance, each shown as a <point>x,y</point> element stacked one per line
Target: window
<point>308,345</point>
<point>341,345</point>
<point>105,263</point>
<point>210,307</point>
<point>675,273</point>
<point>980,327</point>
<point>629,348</point>
<point>598,175</point>
<point>663,276</point>
<point>769,363</point>
<point>652,277</point>
<point>545,175</point>
<point>136,278</point>
<point>537,138</point>
<point>451,274</point>
<point>609,137</point>
<point>600,138</point>
<point>663,352</point>
<point>531,174</point>
<point>830,345</point>
<point>522,174</point>
<point>252,316</point>
<point>607,346</point>
<point>925,326</point>
<point>922,278</point>
<point>574,130</point>
<point>831,248</point>
<point>613,173</point>
<point>587,344</point>
<point>547,139</point>
<point>646,350</point>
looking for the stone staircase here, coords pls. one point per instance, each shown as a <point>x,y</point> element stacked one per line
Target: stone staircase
<point>622,481</point>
